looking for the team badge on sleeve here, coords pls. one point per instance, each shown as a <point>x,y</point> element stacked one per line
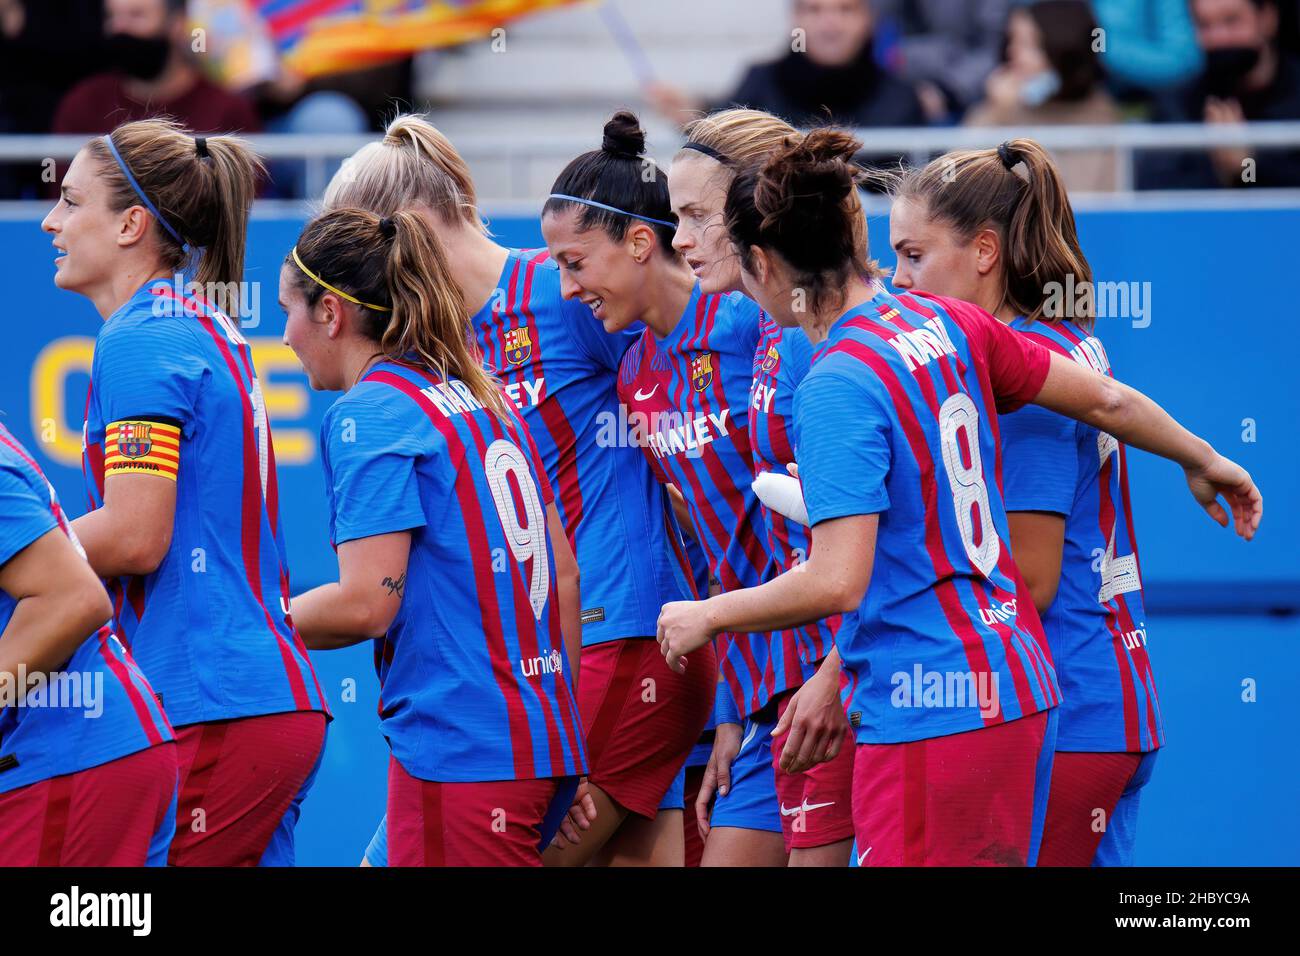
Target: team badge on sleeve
<point>519,345</point>
<point>702,371</point>
<point>142,447</point>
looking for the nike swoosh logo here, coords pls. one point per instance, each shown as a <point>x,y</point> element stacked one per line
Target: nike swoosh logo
<point>864,856</point>
<point>805,807</point>
<point>641,398</point>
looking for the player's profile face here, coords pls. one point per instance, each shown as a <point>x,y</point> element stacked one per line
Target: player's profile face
<point>83,228</point>
<point>930,255</point>
<point>305,333</point>
<point>598,271</point>
<point>697,185</point>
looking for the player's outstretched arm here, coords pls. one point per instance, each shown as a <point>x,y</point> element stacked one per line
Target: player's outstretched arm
<point>60,603</point>
<point>364,601</point>
<point>832,581</point>
<point>1134,419</point>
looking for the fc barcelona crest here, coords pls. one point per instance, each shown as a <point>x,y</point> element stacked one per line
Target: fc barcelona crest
<point>133,439</point>
<point>771,359</point>
<point>519,345</point>
<point>702,371</point>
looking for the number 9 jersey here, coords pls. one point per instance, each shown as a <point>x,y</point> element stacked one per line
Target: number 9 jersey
<point>473,672</point>
<point>903,398</point>
<point>174,394</point>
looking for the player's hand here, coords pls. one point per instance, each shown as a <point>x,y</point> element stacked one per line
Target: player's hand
<point>717,773</point>
<point>683,628</point>
<point>1224,478</point>
<point>816,721</point>
<point>580,817</point>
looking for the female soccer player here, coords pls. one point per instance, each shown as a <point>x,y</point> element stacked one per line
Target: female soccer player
<point>560,370</point>
<point>814,803</point>
<point>443,518</point>
<point>87,762</point>
<point>994,227</point>
<point>180,476</point>
<point>686,384</point>
<point>954,723</point>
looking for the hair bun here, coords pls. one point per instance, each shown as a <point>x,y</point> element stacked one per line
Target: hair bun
<point>624,135</point>
<point>387,228</point>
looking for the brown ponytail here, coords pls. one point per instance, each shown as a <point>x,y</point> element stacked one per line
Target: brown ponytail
<point>203,190</point>
<point>797,204</point>
<point>1016,190</point>
<point>399,265</point>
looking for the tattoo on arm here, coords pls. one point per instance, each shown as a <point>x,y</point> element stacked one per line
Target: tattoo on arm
<point>395,587</point>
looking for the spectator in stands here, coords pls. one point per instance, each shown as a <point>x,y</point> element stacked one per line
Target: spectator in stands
<point>1246,77</point>
<point>1150,45</point>
<point>946,48</point>
<point>829,75</point>
<point>153,74</point>
<point>1051,75</point>
<point>45,49</point>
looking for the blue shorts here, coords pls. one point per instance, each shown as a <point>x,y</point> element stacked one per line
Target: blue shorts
<point>751,803</point>
<point>675,798</point>
<point>1116,847</point>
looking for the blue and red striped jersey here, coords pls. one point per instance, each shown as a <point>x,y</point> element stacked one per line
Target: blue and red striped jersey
<point>898,418</point>
<point>781,361</point>
<point>560,368</point>
<point>173,391</point>
<point>98,706</point>
<point>474,673</point>
<point>1096,626</point>
<point>688,397</point>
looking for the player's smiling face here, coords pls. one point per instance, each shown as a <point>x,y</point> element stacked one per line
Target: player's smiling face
<point>932,257</point>
<point>84,229</point>
<point>601,273</point>
<point>308,334</point>
<point>698,187</point>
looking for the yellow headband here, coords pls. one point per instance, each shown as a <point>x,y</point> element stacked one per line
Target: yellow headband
<point>339,292</point>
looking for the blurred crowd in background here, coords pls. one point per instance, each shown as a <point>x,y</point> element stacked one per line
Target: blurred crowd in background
<point>84,66</point>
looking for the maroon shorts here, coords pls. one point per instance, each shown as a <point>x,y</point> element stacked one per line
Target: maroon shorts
<point>966,799</point>
<point>238,778</point>
<point>641,718</point>
<point>493,823</point>
<point>816,805</point>
<point>105,816</point>
<point>1086,788</point>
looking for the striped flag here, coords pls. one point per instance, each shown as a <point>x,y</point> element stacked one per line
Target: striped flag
<point>317,37</point>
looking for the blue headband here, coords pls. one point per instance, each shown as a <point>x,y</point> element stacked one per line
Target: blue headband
<point>144,200</point>
<point>621,212</point>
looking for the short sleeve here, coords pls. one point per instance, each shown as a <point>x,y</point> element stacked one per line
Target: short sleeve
<point>1017,365</point>
<point>606,349</point>
<point>370,460</point>
<point>841,445</point>
<point>1039,461</point>
<point>148,371</point>
<point>24,517</point>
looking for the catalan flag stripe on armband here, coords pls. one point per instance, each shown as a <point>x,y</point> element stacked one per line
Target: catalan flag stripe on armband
<point>142,447</point>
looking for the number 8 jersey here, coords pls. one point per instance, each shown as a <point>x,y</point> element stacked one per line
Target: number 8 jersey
<point>174,394</point>
<point>898,417</point>
<point>473,672</point>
